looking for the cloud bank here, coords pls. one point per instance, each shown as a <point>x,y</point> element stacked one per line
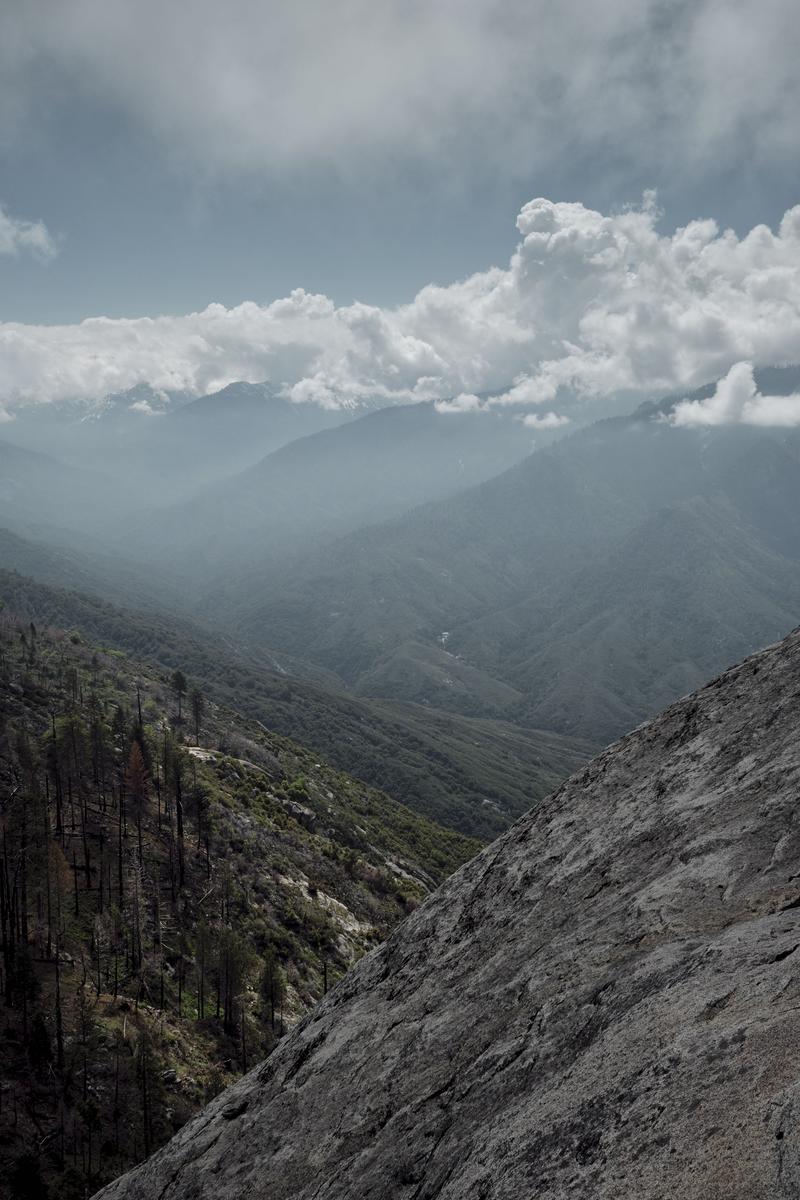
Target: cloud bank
<point>17,235</point>
<point>737,401</point>
<point>590,305</point>
<point>517,83</point>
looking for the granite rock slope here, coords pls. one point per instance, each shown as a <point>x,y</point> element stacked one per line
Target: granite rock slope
<point>604,1004</point>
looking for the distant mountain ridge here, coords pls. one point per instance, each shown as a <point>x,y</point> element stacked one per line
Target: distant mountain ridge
<point>334,480</point>
<point>631,555</point>
<point>170,444</point>
<point>574,591</point>
<point>38,491</point>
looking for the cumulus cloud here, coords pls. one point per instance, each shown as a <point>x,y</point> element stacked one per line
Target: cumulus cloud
<point>462,403</point>
<point>548,420</point>
<point>590,305</point>
<point>272,86</point>
<point>144,407</point>
<point>18,235</point>
<point>737,401</point>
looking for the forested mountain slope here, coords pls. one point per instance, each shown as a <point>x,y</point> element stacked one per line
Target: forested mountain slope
<point>177,888</point>
<point>579,590</point>
<point>475,775</point>
<point>691,587</point>
<point>106,575</point>
<point>603,1003</point>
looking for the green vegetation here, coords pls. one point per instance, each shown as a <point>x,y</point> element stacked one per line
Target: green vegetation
<point>473,775</point>
<point>177,887</point>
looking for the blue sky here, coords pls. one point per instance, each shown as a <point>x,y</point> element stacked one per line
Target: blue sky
<point>138,235</point>
<point>195,153</point>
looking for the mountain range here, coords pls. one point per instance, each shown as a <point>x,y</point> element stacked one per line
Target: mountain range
<point>592,582</point>
<point>326,484</point>
<point>430,568</point>
<point>455,618</point>
<point>472,775</point>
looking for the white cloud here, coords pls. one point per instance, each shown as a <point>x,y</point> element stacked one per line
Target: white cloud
<point>737,401</point>
<point>519,82</point>
<point>17,235</point>
<point>548,420</point>
<point>527,390</point>
<point>589,305</point>
<point>144,407</point>
<point>462,403</point>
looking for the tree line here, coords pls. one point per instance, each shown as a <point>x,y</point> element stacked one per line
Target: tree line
<point>119,928</point>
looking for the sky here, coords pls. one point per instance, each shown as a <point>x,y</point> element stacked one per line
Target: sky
<point>337,195</point>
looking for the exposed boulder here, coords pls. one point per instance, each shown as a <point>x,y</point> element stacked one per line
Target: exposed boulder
<point>604,1004</point>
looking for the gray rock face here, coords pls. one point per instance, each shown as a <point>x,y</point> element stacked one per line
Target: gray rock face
<point>604,1004</point>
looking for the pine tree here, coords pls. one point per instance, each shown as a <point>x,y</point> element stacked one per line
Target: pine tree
<point>198,703</point>
<point>272,987</point>
<point>136,788</point>
<point>179,688</point>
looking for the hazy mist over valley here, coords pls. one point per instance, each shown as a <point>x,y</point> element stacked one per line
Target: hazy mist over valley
<point>399,447</point>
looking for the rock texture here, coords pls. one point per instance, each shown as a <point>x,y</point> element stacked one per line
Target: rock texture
<point>604,1004</point>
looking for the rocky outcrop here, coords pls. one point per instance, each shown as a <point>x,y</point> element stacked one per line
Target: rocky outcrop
<point>604,1004</point>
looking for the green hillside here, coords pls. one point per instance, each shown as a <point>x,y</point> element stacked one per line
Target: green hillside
<point>177,888</point>
<point>442,765</point>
